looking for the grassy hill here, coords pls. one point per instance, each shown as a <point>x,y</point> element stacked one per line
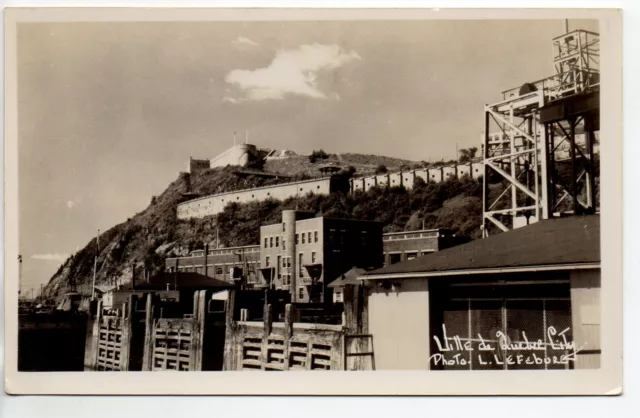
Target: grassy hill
<point>149,236</point>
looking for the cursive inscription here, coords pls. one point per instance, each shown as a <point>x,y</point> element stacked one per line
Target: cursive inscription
<point>454,350</point>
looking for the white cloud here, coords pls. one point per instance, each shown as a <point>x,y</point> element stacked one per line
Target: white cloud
<point>242,43</point>
<point>50,257</point>
<point>292,71</point>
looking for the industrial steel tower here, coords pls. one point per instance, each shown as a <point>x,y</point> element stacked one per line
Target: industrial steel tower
<point>538,142</point>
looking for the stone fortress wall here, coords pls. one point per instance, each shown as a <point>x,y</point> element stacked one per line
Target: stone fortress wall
<point>407,178</point>
<point>214,204</point>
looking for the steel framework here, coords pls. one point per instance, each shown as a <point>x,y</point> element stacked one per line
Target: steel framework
<point>539,140</point>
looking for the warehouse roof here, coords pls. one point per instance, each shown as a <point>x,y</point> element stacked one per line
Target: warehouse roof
<point>550,243</point>
<point>184,280</point>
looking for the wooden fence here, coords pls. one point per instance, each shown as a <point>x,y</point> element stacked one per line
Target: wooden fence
<point>279,346</point>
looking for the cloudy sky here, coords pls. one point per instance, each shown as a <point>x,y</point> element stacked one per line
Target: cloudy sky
<point>109,113</point>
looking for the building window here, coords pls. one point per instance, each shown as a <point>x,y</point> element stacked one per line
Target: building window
<point>265,242</point>
<point>313,257</point>
<point>271,242</point>
<point>297,240</point>
<point>315,236</point>
<point>278,267</point>
<point>301,293</point>
<point>364,238</point>
<point>284,244</point>
<point>277,241</point>
<point>394,258</point>
<point>303,236</point>
<point>266,261</point>
<point>411,256</point>
<point>309,237</point>
<point>342,234</point>
<point>332,236</point>
<point>284,227</point>
<point>300,269</point>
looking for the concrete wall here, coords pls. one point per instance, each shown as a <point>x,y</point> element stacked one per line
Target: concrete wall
<point>211,205</point>
<point>399,323</point>
<point>586,317</point>
<point>240,154</point>
<point>407,178</point>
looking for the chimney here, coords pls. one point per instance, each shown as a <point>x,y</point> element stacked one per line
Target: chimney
<point>206,259</point>
<point>133,276</point>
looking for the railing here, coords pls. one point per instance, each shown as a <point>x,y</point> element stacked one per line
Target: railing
<point>558,85</point>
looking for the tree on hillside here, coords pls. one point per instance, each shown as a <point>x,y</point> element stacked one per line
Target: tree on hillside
<point>318,155</point>
<point>467,154</point>
<point>381,169</point>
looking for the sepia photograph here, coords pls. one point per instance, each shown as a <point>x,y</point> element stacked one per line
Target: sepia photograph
<point>313,194</point>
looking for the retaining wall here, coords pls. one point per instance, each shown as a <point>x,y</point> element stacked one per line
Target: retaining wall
<point>214,204</point>
<point>211,205</point>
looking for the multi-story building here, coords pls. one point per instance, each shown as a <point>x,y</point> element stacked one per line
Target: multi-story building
<point>304,253</point>
<point>407,245</point>
<point>227,264</point>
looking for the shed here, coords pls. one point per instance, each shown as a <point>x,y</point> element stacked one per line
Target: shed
<point>539,282</point>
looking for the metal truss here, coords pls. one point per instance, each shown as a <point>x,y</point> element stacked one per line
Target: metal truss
<point>532,164</point>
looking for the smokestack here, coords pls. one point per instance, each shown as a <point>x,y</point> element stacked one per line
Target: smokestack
<point>206,259</point>
<point>133,276</point>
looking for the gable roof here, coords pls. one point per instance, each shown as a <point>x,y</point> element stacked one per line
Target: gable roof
<point>350,277</point>
<point>556,242</point>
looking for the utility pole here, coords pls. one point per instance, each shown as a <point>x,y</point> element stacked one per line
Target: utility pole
<point>19,274</point>
<point>95,267</point>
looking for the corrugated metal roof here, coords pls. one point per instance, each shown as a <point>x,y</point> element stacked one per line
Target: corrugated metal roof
<point>561,241</point>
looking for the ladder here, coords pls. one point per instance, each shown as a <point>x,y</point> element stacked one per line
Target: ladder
<point>369,353</point>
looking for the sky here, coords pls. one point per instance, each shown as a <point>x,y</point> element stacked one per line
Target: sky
<point>109,113</point>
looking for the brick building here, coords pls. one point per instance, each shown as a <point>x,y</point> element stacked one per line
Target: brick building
<point>407,245</point>
<point>227,264</point>
<point>303,254</point>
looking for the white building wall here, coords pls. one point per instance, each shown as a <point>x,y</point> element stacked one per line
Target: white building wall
<point>476,169</point>
<point>382,180</point>
<point>211,205</point>
<point>408,178</point>
<point>435,175</point>
<point>586,317</point>
<point>448,172</point>
<point>399,323</point>
<point>395,179</point>
<point>464,170</point>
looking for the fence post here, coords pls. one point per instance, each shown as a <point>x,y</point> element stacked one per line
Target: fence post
<point>267,324</point>
<point>91,358</point>
<point>229,357</point>
<point>290,317</point>
<point>147,353</point>
<point>126,332</point>
<point>199,325</point>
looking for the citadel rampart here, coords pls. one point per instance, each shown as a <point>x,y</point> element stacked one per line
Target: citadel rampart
<point>214,204</point>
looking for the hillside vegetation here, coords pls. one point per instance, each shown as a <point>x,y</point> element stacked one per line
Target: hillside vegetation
<point>147,238</point>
